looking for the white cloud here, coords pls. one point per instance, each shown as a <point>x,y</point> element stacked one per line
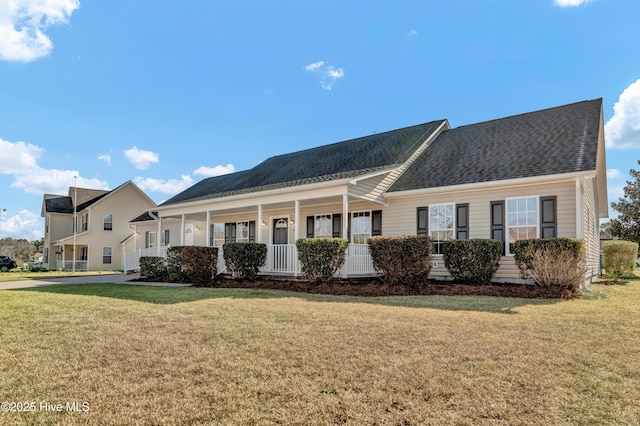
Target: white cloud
<point>106,158</point>
<point>25,225</point>
<point>169,186</point>
<point>141,159</point>
<point>412,33</point>
<point>328,73</point>
<point>570,3</point>
<point>614,173</point>
<point>32,178</point>
<point>23,24</point>
<point>623,129</point>
<point>215,171</point>
<point>314,66</point>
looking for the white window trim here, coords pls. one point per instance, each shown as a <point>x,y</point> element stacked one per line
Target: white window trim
<point>242,222</point>
<point>506,220</point>
<point>110,255</point>
<point>223,224</point>
<point>430,228</point>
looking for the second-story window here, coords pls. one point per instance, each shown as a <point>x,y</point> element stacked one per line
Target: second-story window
<point>108,221</point>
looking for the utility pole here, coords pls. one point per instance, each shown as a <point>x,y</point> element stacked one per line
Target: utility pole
<point>75,219</point>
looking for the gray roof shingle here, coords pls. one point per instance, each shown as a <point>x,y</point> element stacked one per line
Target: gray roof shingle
<point>556,140</point>
<point>335,161</point>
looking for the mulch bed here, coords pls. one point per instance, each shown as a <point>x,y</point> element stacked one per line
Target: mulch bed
<point>376,288</point>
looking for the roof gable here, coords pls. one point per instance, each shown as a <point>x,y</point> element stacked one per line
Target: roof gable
<point>551,141</point>
<point>328,162</point>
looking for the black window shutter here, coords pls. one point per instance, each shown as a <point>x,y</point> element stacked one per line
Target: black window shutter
<point>146,239</point>
<point>548,214</point>
<point>252,231</point>
<point>311,226</point>
<point>376,222</point>
<point>423,221</point>
<point>337,225</point>
<point>497,220</point>
<point>462,221</point>
<point>229,232</point>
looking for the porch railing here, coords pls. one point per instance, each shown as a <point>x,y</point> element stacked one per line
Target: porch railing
<point>67,265</point>
<point>282,259</point>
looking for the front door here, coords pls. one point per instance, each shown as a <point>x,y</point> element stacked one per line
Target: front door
<point>188,235</point>
<point>280,241</point>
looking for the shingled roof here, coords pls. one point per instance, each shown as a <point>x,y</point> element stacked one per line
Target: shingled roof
<point>340,160</point>
<point>551,141</point>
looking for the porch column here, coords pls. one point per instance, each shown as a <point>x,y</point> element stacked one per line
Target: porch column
<point>259,224</point>
<point>296,218</point>
<point>159,236</point>
<point>345,215</point>
<point>182,230</point>
<point>208,230</point>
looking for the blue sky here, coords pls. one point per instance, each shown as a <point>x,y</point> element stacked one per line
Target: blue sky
<point>167,93</point>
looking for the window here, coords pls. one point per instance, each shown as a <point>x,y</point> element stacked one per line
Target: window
<point>85,223</point>
<point>216,235</point>
<point>166,237</point>
<point>323,226</point>
<point>441,225</point>
<point>84,253</point>
<point>244,231</point>
<point>149,239</point>
<point>107,219</point>
<point>360,227</point>
<point>522,219</point>
<point>106,255</point>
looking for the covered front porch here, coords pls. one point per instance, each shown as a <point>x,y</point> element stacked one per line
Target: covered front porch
<point>70,257</point>
<point>275,221</point>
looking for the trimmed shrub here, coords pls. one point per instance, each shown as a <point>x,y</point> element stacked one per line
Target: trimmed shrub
<point>552,261</point>
<point>402,259</point>
<point>473,261</point>
<point>200,264</point>
<point>619,258</point>
<point>321,258</point>
<point>175,267</point>
<point>153,266</point>
<point>243,260</point>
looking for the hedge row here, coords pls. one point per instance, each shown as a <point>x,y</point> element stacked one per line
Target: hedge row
<point>321,258</point>
<point>473,261</point>
<point>402,259</point>
<point>619,258</point>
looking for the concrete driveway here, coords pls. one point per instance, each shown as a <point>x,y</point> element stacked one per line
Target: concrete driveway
<point>86,279</point>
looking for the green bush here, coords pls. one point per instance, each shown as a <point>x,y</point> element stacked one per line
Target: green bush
<point>200,264</point>
<point>175,267</point>
<point>552,261</point>
<point>321,258</point>
<point>243,260</point>
<point>473,261</point>
<point>619,258</point>
<point>402,259</point>
<point>153,266</point>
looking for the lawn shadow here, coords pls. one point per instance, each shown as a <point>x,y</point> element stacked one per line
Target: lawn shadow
<point>175,295</point>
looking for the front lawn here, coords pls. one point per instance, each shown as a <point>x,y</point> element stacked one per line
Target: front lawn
<point>142,355</point>
<point>20,275</point>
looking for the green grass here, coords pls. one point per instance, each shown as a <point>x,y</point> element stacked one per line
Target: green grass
<point>153,355</point>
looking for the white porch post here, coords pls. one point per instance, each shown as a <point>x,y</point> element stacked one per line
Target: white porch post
<point>345,230</point>
<point>182,225</point>
<point>296,225</point>
<point>259,224</point>
<point>208,230</point>
<point>345,215</point>
<point>159,236</point>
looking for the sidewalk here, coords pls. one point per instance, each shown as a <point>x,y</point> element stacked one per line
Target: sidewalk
<point>86,279</point>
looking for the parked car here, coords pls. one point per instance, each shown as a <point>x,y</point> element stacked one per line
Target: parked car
<point>37,267</point>
<point>7,263</point>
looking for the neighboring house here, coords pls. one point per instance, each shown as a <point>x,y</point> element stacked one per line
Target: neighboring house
<point>539,174</point>
<point>102,230</point>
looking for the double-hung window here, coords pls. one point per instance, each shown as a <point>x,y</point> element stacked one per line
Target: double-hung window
<point>217,235</point>
<point>106,255</point>
<point>150,239</point>
<point>323,226</point>
<point>85,223</point>
<point>107,219</point>
<point>441,224</point>
<point>360,227</point>
<point>522,218</point>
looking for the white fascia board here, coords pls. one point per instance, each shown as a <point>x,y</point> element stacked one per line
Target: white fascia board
<point>253,195</point>
<point>355,181</point>
<point>492,184</point>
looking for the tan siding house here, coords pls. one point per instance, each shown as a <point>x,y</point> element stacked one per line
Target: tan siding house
<point>103,227</point>
<point>533,175</point>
